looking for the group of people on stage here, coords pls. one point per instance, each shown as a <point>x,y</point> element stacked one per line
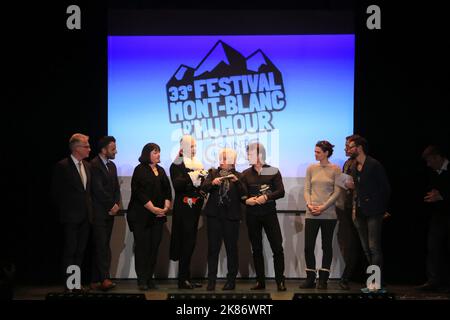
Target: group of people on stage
<point>88,193</point>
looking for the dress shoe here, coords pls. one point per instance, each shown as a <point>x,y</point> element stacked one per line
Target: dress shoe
<point>445,289</point>
<point>211,285</point>
<point>107,284</point>
<point>81,290</point>
<point>152,285</point>
<point>185,285</point>
<point>343,284</point>
<point>428,287</point>
<point>229,285</point>
<point>259,286</point>
<point>143,287</point>
<point>281,286</point>
<point>196,284</point>
<point>95,285</point>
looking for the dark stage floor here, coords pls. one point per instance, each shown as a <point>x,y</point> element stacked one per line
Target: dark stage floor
<point>168,287</point>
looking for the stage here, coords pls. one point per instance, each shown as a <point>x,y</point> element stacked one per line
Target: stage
<point>168,288</point>
<point>151,72</point>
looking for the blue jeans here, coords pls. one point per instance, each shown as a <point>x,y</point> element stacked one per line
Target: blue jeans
<point>369,230</point>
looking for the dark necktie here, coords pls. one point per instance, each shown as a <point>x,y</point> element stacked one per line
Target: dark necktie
<point>109,166</point>
<point>83,181</point>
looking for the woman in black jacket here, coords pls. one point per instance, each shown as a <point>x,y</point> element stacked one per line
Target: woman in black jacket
<point>151,198</point>
<point>223,211</point>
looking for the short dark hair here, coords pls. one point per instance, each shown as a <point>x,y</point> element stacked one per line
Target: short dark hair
<point>146,150</point>
<point>361,141</point>
<point>260,150</point>
<point>432,150</point>
<point>352,137</point>
<point>104,142</point>
<point>325,146</point>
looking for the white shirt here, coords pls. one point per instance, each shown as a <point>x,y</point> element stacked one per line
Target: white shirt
<point>83,170</point>
<point>444,167</point>
<point>197,166</point>
<point>105,161</point>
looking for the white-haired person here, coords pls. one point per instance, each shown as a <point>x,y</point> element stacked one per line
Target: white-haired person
<point>71,192</point>
<point>223,212</point>
<point>186,173</point>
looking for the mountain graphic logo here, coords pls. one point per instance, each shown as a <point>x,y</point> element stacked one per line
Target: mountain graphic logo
<point>226,94</point>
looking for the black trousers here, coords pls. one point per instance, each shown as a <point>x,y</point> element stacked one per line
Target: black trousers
<point>76,236</point>
<point>102,251</point>
<point>438,263</point>
<point>349,243</point>
<point>268,222</point>
<point>147,239</point>
<point>189,225</point>
<point>222,229</point>
<point>312,227</point>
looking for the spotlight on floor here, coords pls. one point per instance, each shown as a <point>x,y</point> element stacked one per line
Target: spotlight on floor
<point>96,296</point>
<point>219,296</point>
<point>342,297</point>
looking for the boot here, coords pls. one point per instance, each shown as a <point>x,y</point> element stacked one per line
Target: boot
<point>281,285</point>
<point>229,285</point>
<point>343,284</point>
<point>310,279</point>
<point>211,285</point>
<point>260,285</point>
<point>324,274</point>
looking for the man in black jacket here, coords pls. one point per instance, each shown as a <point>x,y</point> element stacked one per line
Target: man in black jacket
<point>437,200</point>
<point>371,196</point>
<point>347,235</point>
<point>106,204</point>
<point>264,185</point>
<point>71,191</point>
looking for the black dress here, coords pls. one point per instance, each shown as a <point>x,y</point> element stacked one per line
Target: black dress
<point>187,206</point>
<point>145,225</point>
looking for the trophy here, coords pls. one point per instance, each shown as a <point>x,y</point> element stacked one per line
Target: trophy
<point>259,190</point>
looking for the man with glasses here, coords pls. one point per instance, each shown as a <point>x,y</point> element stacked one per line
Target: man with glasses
<point>348,238</point>
<point>71,191</point>
<point>370,200</point>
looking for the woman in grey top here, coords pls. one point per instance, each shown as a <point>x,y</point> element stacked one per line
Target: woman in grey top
<point>321,193</point>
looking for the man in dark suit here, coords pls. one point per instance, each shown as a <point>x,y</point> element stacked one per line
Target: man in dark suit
<point>437,200</point>
<point>71,191</point>
<point>106,204</point>
<point>371,196</point>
